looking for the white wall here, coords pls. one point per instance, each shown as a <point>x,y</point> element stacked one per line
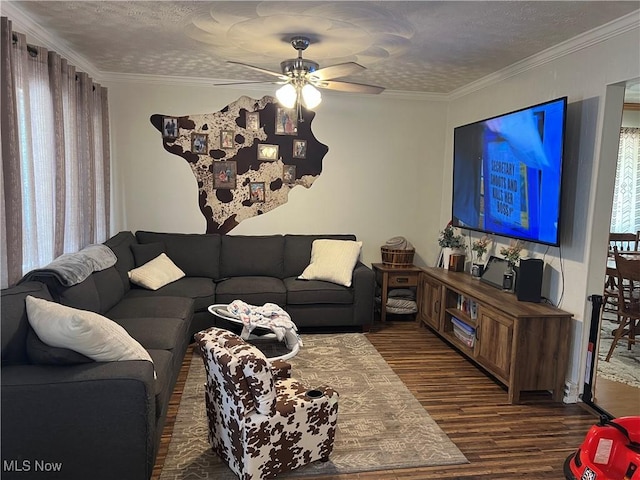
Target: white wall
<point>381,177</point>
<point>572,272</point>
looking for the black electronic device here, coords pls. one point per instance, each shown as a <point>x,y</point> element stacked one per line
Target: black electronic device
<point>529,280</point>
<point>494,271</point>
<point>507,173</point>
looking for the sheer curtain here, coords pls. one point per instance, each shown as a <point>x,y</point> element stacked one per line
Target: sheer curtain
<point>625,215</point>
<point>55,157</point>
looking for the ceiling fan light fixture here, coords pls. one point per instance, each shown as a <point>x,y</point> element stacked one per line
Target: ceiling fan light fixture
<point>311,96</point>
<point>287,95</point>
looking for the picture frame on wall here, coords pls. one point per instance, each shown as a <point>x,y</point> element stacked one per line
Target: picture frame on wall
<point>267,152</point>
<point>286,123</point>
<point>256,192</point>
<point>289,173</point>
<point>200,143</point>
<point>299,148</point>
<point>225,175</point>
<point>227,139</point>
<point>170,127</point>
<point>252,120</point>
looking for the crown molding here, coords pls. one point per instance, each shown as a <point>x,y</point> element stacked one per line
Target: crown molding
<point>600,34</point>
<point>171,80</point>
<point>37,35</point>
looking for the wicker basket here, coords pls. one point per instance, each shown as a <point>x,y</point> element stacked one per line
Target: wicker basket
<point>397,258</point>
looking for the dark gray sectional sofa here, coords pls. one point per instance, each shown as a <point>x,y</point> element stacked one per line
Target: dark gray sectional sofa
<point>103,420</point>
<point>257,270</point>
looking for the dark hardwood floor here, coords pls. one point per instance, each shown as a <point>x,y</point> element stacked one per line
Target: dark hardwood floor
<point>501,441</point>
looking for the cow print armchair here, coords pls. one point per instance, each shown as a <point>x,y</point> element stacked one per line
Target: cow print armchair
<point>261,422</point>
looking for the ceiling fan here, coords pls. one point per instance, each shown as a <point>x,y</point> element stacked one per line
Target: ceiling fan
<point>302,77</point>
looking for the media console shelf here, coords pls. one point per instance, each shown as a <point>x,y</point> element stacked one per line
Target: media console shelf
<point>523,345</point>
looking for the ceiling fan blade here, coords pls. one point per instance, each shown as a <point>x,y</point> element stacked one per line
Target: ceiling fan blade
<point>338,70</point>
<point>257,82</point>
<point>263,70</point>
<point>349,87</point>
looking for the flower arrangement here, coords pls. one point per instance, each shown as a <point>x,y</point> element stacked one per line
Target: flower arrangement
<point>480,246</point>
<point>450,239</point>
<point>512,252</point>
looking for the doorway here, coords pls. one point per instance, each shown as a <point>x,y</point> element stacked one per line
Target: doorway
<point>616,383</point>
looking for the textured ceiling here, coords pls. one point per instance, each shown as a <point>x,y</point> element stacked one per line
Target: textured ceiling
<point>432,46</point>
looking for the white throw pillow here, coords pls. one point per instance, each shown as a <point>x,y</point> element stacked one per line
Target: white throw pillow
<point>332,261</point>
<point>156,273</point>
<point>83,331</point>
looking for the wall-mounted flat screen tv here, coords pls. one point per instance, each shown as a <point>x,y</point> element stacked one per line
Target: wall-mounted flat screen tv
<point>507,173</point>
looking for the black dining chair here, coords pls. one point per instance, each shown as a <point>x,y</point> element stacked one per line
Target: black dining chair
<point>628,311</point>
<point>626,243</point>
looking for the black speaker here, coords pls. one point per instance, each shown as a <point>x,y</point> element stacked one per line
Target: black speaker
<point>529,280</point>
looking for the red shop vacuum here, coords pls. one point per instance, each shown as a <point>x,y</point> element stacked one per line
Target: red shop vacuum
<point>610,451</point>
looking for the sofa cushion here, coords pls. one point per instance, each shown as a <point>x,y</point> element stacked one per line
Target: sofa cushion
<point>252,256</point>
<point>40,353</point>
<point>15,325</point>
<point>109,287</point>
<point>201,290</point>
<point>83,295</point>
<point>332,261</point>
<point>312,292</point>
<point>197,255</point>
<point>85,332</point>
<point>156,273</point>
<point>152,306</point>
<point>121,243</point>
<point>155,333</point>
<point>145,252</point>
<point>297,251</point>
<point>253,290</point>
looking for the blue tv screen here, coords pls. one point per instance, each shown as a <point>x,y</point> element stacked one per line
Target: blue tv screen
<point>507,173</point>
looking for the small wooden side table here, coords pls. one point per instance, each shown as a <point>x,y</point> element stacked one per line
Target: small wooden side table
<point>393,277</point>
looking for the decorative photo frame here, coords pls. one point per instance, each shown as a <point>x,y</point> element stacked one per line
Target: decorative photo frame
<point>200,143</point>
<point>227,139</point>
<point>225,175</point>
<point>288,173</point>
<point>256,192</point>
<point>268,152</point>
<point>299,148</point>
<point>286,122</point>
<point>252,120</point>
<point>170,127</point>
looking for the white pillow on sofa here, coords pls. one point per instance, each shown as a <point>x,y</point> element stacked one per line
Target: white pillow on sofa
<point>156,273</point>
<point>332,261</point>
<point>85,332</point>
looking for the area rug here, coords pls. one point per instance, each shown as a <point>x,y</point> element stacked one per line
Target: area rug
<point>624,365</point>
<point>381,425</point>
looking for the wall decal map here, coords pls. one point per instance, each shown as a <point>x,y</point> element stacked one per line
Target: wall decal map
<point>245,157</point>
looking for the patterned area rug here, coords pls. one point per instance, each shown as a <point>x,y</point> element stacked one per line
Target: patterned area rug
<point>624,365</point>
<point>381,425</point>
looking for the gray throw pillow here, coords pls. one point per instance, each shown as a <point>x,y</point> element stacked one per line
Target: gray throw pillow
<point>143,253</point>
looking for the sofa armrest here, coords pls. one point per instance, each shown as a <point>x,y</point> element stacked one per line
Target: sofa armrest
<point>364,282</point>
<point>94,420</point>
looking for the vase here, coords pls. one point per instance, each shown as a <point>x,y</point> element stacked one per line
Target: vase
<point>509,278</point>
